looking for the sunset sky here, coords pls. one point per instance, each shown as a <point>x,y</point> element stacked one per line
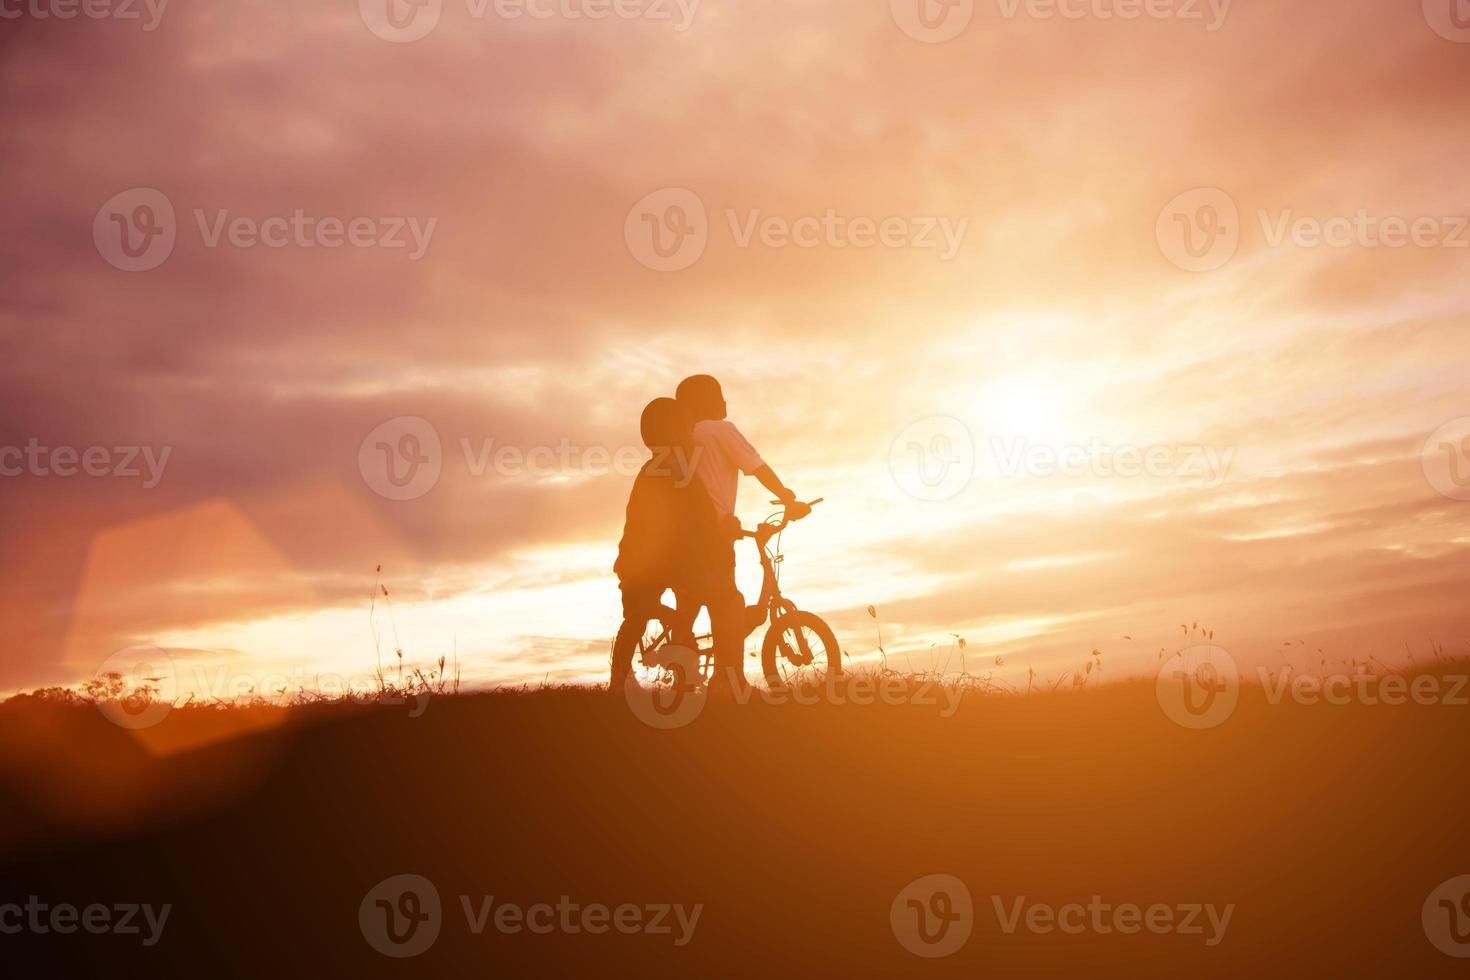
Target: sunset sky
<point>1287,394</point>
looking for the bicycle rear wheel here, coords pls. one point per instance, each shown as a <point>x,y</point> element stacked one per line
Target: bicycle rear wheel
<point>655,664</point>
<point>800,647</point>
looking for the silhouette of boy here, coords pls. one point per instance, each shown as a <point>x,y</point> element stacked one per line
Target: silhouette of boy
<point>670,538</point>
<point>721,454</point>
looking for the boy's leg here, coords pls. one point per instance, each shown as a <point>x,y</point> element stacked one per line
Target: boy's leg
<point>635,624</point>
<point>687,603</point>
<point>623,649</point>
<point>727,622</point>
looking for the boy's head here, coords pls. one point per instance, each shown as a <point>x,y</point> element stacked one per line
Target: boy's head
<point>666,425</point>
<point>701,395</point>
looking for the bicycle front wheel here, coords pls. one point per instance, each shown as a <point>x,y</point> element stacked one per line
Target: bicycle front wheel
<point>799,646</point>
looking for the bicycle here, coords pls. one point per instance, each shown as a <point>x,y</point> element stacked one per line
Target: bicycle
<point>796,640</point>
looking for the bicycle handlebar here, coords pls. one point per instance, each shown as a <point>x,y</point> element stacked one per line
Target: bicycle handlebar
<point>766,530</point>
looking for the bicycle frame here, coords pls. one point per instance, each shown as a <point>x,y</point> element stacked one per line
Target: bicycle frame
<point>771,603</point>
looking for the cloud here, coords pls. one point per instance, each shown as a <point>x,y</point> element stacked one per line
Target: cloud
<point>527,321</point>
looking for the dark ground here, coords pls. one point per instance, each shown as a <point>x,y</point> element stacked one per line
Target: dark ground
<point>795,827</point>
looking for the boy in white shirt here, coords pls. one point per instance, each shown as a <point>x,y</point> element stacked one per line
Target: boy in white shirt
<point>721,454</point>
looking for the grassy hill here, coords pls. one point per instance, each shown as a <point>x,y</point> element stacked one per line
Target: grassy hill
<point>794,828</point>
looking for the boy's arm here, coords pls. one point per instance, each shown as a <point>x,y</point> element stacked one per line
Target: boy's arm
<point>773,483</point>
<point>795,509</point>
<point>750,462</point>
